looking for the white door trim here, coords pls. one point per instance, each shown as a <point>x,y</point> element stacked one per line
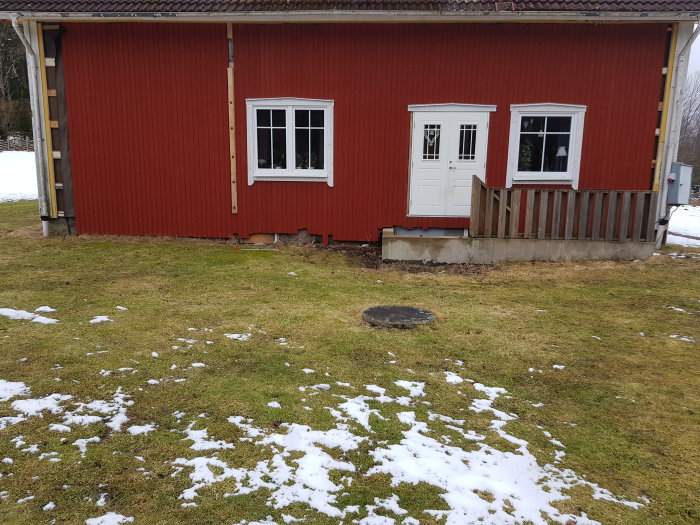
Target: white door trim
<point>451,107</point>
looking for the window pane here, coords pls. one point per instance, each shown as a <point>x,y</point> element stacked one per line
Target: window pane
<point>302,147</point>
<point>556,152</point>
<point>278,119</point>
<point>316,118</point>
<point>301,118</point>
<point>263,117</point>
<point>264,148</point>
<point>530,153</point>
<point>558,124</point>
<point>532,124</point>
<point>279,147</point>
<point>316,159</point>
<point>431,141</point>
<point>467,141</point>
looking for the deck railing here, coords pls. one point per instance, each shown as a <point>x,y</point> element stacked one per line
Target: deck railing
<point>17,144</point>
<point>605,215</point>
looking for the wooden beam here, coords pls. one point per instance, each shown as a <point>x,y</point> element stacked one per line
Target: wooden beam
<point>529,209</point>
<point>43,64</point>
<point>232,121</point>
<point>570,217</point>
<point>542,215</point>
<point>515,214</point>
<point>624,215</point>
<point>556,213</point>
<point>502,209</point>
<point>476,207</point>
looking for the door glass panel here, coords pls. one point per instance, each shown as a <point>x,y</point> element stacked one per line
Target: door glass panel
<point>431,141</point>
<point>467,142</point>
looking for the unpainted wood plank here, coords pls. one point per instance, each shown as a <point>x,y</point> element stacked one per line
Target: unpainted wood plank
<point>502,211</point>
<point>624,215</point>
<point>232,140</point>
<point>542,216</point>
<point>488,217</point>
<point>611,219</point>
<point>53,124</point>
<point>556,213</point>
<point>515,214</point>
<point>651,219</point>
<point>476,207</point>
<point>638,214</point>
<point>583,215</point>
<point>529,212</point>
<point>51,93</point>
<point>599,196</point>
<point>570,209</point>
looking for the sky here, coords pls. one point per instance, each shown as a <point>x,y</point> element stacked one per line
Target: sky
<point>694,64</point>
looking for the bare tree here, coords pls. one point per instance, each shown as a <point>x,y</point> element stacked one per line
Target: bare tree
<point>689,145</point>
<point>14,90</point>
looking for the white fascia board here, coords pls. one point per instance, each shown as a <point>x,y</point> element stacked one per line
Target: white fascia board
<point>547,106</point>
<point>451,107</point>
<point>360,16</point>
<point>286,101</point>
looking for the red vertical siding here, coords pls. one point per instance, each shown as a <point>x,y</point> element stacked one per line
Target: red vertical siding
<point>148,124</point>
<point>147,115</point>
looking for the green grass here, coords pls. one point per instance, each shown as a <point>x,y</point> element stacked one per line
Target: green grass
<point>643,443</point>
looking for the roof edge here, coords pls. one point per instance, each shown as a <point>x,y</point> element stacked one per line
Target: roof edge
<point>362,16</point>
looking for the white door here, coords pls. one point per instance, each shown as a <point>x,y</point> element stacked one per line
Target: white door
<point>448,148</point>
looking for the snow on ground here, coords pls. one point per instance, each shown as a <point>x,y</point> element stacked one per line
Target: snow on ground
<point>23,315</point>
<point>482,472</point>
<point>17,176</point>
<point>684,228</point>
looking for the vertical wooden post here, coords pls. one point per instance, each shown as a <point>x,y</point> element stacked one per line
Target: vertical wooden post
<point>232,120</point>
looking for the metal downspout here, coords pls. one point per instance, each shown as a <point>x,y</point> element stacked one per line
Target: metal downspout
<point>37,124</point>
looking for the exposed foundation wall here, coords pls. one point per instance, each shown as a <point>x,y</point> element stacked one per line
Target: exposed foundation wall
<point>490,251</point>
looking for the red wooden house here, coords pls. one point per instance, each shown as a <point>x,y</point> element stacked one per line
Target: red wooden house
<point>460,130</point>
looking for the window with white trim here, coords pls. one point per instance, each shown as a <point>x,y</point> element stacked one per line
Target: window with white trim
<point>545,144</point>
<point>290,139</point>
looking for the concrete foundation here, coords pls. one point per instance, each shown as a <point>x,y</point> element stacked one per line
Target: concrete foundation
<point>61,226</point>
<point>464,250</point>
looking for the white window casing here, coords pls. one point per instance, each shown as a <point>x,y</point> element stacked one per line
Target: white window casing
<point>568,177</point>
<point>291,172</point>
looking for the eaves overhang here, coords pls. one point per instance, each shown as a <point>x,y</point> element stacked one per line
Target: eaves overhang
<point>358,16</point>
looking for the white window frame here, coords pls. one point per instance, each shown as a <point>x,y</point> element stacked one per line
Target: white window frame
<point>291,173</point>
<point>571,175</point>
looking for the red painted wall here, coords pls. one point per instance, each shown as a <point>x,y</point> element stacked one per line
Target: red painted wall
<point>148,118</point>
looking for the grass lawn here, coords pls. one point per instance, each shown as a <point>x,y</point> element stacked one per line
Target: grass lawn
<point>621,416</point>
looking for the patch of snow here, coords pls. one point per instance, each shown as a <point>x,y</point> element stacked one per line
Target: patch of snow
<point>308,370</point>
<point>121,308</point>
<point>49,506</point>
<point>559,367</point>
<point>25,500</point>
<point>198,365</point>
<point>274,404</point>
<point>83,443</point>
<point>111,518</point>
<point>23,315</point>
<point>35,407</point>
<point>17,176</point>
<point>10,389</point>
<point>57,427</point>
<point>45,309</point>
<point>239,337</point>
<point>154,354</point>
<point>202,442</point>
<point>453,378</point>
<point>137,430</point>
<point>684,226</point>
<point>415,388</point>
<point>100,319</point>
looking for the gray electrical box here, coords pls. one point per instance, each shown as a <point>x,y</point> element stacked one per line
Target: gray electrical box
<point>679,184</point>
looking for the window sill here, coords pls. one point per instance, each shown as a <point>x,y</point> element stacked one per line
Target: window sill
<point>542,180</point>
<point>291,178</point>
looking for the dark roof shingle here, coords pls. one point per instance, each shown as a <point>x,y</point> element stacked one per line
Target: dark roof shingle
<point>232,6</point>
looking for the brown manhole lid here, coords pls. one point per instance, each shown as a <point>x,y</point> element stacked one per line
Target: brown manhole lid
<point>397,316</point>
